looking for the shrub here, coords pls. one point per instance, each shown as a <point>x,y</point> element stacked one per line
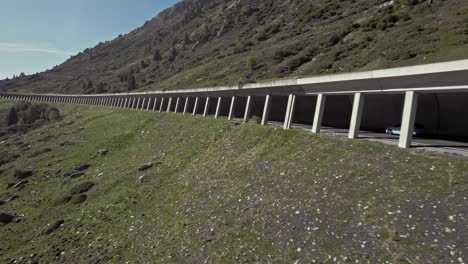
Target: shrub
<point>251,63</point>
<point>256,119</point>
<point>156,57</point>
<point>35,112</point>
<point>52,114</point>
<point>131,82</point>
<point>12,117</point>
<point>172,55</point>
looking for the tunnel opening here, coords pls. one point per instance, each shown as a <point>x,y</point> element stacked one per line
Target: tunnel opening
<point>179,107</point>
<point>172,105</point>
<point>443,115</point>
<point>201,105</point>
<point>190,105</point>
<point>239,107</point>
<point>154,103</point>
<point>145,103</point>
<point>256,112</point>
<point>225,105</point>
<point>212,106</point>
<point>381,111</point>
<point>164,103</point>
<point>337,111</point>
<point>304,109</point>
<point>278,108</point>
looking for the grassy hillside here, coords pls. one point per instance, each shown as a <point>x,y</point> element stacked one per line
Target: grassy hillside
<point>226,192</point>
<point>201,43</point>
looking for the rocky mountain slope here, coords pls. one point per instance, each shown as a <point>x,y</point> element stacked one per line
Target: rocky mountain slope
<point>168,188</point>
<point>199,43</point>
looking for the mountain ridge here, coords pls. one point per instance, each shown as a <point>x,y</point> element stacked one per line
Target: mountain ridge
<point>198,43</point>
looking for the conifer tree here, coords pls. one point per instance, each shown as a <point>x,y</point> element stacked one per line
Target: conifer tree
<point>12,117</point>
<point>131,82</point>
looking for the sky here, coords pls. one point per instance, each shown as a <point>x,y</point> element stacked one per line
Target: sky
<point>36,35</point>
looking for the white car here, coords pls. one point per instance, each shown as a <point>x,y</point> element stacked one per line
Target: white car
<point>396,130</point>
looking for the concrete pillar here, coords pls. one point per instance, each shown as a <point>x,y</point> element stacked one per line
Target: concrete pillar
<point>289,111</point>
<point>143,104</point>
<point>232,108</point>
<point>133,103</point>
<point>207,106</point>
<point>248,109</point>
<point>407,121</point>
<point>155,103</point>
<point>319,108</point>
<point>266,110</point>
<point>218,107</point>
<point>169,105</point>
<point>356,116</point>
<point>185,106</point>
<point>148,105</point>
<point>138,103</point>
<point>124,103</point>
<point>195,106</point>
<point>161,106</point>
<point>177,105</point>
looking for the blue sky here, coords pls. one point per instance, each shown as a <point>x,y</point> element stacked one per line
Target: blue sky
<point>36,35</point>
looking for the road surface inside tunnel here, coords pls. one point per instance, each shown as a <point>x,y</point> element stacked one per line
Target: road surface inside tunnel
<point>441,146</point>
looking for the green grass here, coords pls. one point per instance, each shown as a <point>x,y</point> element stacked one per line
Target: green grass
<point>226,192</point>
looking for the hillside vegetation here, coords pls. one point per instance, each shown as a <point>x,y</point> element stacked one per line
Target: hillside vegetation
<point>201,43</point>
<point>130,186</point>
